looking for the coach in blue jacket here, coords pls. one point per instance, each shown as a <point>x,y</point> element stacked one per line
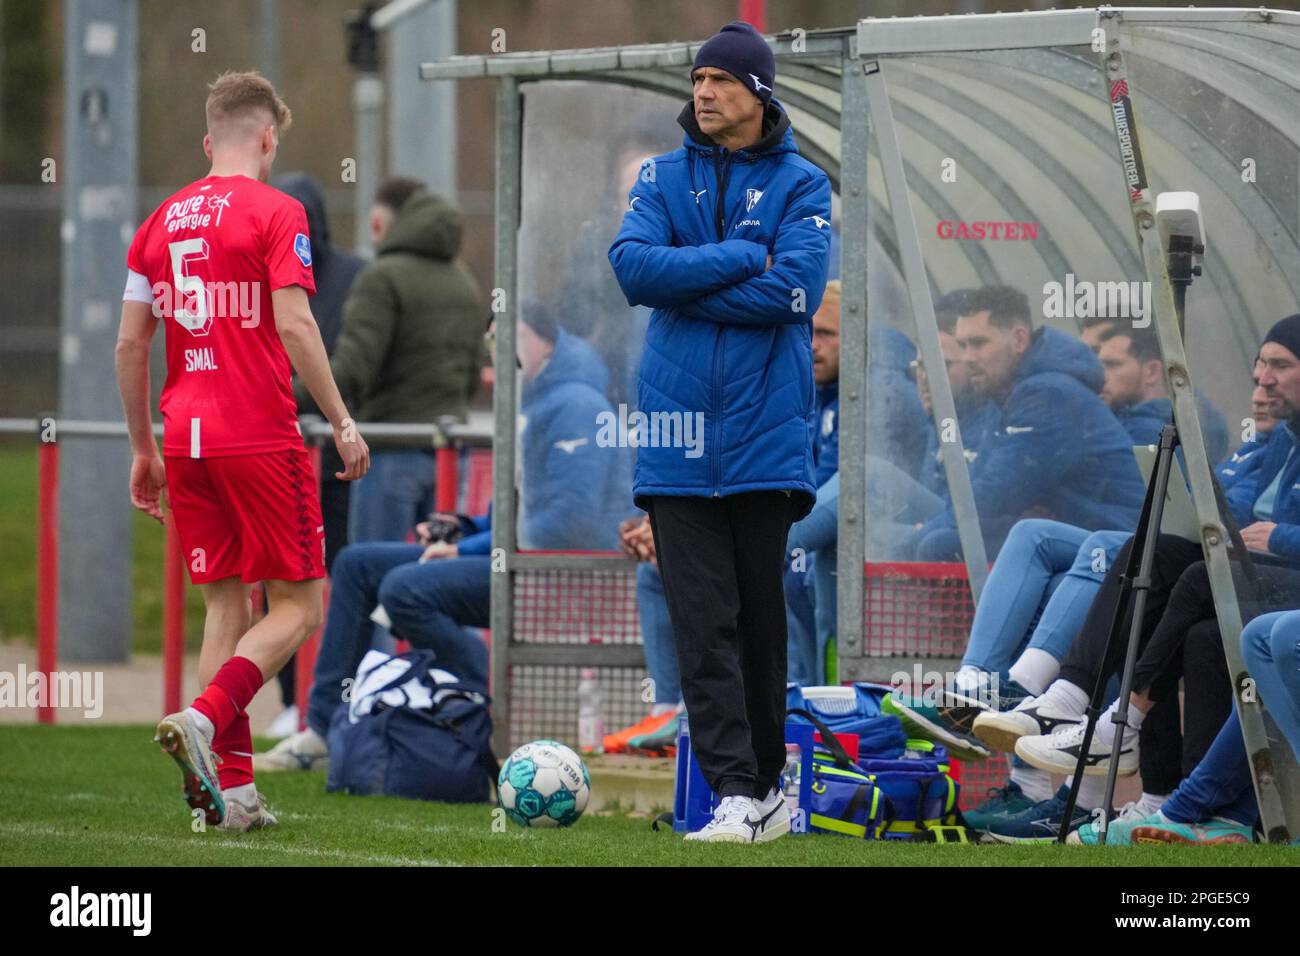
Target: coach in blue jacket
<point>727,239</point>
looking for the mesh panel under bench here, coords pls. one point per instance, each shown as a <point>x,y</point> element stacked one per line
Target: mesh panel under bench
<point>915,609</point>
<point>544,701</point>
<point>977,779</point>
<point>576,607</point>
<point>570,609</point>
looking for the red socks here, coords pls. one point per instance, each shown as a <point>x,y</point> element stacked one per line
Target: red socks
<point>229,695</point>
<point>234,746</point>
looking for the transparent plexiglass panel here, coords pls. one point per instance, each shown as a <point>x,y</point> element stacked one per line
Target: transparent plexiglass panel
<point>1019,199</point>
<point>580,344</point>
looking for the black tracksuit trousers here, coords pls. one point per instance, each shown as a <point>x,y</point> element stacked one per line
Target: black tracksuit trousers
<point>722,565</point>
<point>1160,750</point>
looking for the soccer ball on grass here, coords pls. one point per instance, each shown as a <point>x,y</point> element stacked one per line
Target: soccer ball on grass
<point>544,784</point>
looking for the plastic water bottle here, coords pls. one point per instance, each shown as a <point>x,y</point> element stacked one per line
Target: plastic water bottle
<point>591,726</point>
<point>790,776</point>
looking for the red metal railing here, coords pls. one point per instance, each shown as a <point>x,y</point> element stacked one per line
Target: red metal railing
<point>47,569</point>
<point>47,555</point>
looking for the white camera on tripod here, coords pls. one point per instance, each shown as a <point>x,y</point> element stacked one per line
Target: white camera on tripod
<point>1179,214</point>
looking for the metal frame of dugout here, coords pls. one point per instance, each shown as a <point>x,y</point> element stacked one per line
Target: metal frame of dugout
<point>836,85</point>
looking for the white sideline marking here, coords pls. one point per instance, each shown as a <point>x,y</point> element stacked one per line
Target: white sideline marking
<point>348,856</point>
<point>380,824</point>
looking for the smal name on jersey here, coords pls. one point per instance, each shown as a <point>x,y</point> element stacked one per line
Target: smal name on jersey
<point>201,360</point>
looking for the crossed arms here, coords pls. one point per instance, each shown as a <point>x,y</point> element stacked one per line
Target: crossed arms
<point>735,281</point>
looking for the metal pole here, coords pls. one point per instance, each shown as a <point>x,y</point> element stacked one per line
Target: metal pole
<point>98,175</point>
<point>505,402</point>
<point>854,226</point>
<point>268,39</point>
<point>368,103</point>
<point>422,131</point>
<point>368,110</point>
<point>173,617</point>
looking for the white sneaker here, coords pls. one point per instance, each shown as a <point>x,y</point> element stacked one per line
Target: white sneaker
<point>284,724</point>
<point>1059,752</point>
<point>304,750</point>
<point>1120,830</point>
<point>183,740</point>
<point>1032,717</point>
<point>774,816</point>
<point>744,820</point>
<point>242,817</point>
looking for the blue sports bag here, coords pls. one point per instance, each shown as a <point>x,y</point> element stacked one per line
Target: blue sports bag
<point>411,730</point>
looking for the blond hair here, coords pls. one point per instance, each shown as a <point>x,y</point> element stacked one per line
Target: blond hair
<point>832,289</point>
<point>245,99</point>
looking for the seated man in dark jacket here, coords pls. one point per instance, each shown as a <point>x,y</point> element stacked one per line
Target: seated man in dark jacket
<point>574,490</point>
<point>897,431</point>
<point>1058,451</point>
<point>976,413</point>
<point>1135,390</point>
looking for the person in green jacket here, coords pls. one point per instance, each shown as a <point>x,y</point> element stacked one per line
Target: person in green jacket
<point>410,350</point>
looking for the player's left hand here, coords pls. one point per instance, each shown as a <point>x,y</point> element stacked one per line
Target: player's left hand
<point>1255,536</point>
<point>439,549</point>
<point>352,449</point>
<point>148,479</point>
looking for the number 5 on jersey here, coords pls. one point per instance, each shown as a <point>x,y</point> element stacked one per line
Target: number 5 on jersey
<point>198,319</point>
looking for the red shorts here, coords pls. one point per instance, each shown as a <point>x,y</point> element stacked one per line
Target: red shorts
<point>254,516</point>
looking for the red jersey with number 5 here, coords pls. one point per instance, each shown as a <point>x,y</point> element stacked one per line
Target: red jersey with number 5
<point>212,255</point>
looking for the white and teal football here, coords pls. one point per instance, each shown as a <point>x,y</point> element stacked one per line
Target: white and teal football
<point>544,784</point>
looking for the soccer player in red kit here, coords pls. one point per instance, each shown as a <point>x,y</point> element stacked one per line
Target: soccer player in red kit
<point>225,264</point>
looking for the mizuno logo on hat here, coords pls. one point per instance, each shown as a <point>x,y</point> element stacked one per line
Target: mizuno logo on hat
<point>758,84</point>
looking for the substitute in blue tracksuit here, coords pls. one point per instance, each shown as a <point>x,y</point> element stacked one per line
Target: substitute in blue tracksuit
<point>1144,422</point>
<point>977,414</point>
<point>826,446</point>
<point>727,239</point>
<point>1058,451</point>
<point>899,422</point>
<point>575,486</point>
<point>979,420</point>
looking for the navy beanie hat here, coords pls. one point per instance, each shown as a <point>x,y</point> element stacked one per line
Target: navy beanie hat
<point>1287,334</point>
<point>741,50</point>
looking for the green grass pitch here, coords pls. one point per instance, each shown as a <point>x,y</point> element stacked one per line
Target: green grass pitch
<point>106,796</point>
